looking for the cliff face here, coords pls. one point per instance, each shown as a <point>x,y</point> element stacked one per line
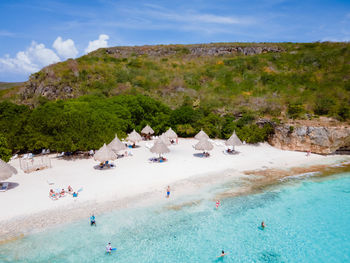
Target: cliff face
<point>317,139</point>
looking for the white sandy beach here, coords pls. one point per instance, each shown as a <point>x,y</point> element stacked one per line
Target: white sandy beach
<point>135,175</point>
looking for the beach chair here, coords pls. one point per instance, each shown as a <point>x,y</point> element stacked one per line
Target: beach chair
<point>30,155</point>
<point>43,151</point>
<point>25,156</point>
<point>4,187</point>
<point>14,157</point>
<point>61,154</point>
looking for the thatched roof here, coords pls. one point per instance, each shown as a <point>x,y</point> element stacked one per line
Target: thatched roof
<point>171,134</point>
<point>159,147</point>
<point>233,140</point>
<point>105,154</point>
<point>165,139</point>
<point>116,145</point>
<point>147,130</point>
<point>201,135</point>
<point>204,145</point>
<point>134,137</point>
<point>6,170</point>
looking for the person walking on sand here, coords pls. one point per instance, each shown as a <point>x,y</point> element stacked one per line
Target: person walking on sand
<point>217,204</point>
<point>168,192</point>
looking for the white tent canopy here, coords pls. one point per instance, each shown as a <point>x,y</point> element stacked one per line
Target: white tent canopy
<point>171,134</point>
<point>116,145</point>
<point>105,154</point>
<point>134,137</point>
<point>159,147</point>
<point>201,135</point>
<point>204,145</point>
<point>233,140</point>
<point>147,130</point>
<point>6,170</point>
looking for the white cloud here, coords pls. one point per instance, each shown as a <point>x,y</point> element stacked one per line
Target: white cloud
<point>65,48</point>
<point>29,61</point>
<point>98,43</point>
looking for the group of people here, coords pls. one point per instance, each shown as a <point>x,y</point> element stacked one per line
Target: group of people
<point>55,195</point>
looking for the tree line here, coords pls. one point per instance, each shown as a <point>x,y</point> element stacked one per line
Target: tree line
<point>89,121</point>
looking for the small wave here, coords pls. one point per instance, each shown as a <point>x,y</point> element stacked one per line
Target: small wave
<point>300,176</point>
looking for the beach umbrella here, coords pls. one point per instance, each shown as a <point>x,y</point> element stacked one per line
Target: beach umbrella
<point>105,154</point>
<point>159,147</point>
<point>201,135</point>
<point>147,130</point>
<point>233,140</point>
<point>165,139</point>
<point>171,134</point>
<point>116,145</point>
<point>204,145</point>
<point>6,170</point>
<point>134,137</point>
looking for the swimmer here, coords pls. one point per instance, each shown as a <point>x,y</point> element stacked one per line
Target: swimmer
<point>217,204</point>
<point>109,248</point>
<point>263,225</point>
<point>92,220</point>
<point>222,254</point>
<point>168,192</point>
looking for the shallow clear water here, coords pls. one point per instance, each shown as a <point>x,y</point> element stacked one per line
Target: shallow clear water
<point>307,221</point>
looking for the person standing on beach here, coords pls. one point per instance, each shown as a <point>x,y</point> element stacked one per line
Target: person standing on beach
<point>168,192</point>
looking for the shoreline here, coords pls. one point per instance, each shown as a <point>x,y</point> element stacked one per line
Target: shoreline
<point>251,182</point>
<point>153,192</point>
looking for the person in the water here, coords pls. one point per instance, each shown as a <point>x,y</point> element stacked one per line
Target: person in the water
<point>263,225</point>
<point>222,254</point>
<point>109,248</point>
<point>92,220</point>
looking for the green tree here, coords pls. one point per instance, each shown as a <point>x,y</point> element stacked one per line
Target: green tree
<point>5,152</point>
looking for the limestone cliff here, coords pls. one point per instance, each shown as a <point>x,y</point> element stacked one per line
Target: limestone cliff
<point>315,138</point>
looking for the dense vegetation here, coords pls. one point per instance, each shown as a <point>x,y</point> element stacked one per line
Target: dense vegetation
<point>304,80</point>
<point>80,104</point>
<point>89,121</point>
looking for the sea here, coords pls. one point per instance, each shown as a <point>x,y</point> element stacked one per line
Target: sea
<point>307,219</point>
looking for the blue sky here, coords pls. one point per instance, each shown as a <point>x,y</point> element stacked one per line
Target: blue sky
<point>36,33</point>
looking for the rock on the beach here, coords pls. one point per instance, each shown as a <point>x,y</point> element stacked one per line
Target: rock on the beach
<point>322,140</point>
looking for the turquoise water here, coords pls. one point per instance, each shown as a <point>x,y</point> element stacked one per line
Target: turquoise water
<point>307,221</point>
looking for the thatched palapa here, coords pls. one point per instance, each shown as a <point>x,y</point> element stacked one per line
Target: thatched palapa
<point>116,145</point>
<point>171,134</point>
<point>6,170</point>
<point>134,137</point>
<point>233,140</point>
<point>165,139</point>
<point>201,135</point>
<point>204,145</point>
<point>105,154</point>
<point>159,147</point>
<point>147,130</point>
